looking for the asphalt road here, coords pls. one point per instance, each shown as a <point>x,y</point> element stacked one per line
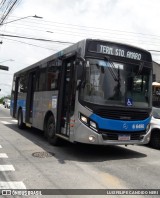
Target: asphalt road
<point>23,165</point>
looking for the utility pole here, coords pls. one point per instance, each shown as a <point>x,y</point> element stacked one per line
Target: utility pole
<point>4,68</point>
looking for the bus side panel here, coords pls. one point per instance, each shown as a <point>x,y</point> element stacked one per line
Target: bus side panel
<point>43,102</point>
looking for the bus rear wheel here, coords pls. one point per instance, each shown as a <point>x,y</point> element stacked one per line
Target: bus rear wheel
<point>51,132</point>
<point>21,124</point>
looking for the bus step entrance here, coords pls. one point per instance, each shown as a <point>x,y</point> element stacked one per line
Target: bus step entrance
<point>62,136</point>
<point>28,125</point>
<point>65,129</point>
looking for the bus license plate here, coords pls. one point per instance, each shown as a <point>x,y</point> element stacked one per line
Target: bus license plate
<point>124,137</point>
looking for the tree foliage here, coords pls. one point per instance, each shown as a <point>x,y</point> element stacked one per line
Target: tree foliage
<point>1,99</point>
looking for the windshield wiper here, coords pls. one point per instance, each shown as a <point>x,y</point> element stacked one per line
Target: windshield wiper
<point>115,76</point>
<point>112,69</point>
<point>140,68</point>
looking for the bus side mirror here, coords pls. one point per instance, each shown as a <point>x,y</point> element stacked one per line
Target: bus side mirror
<point>80,67</point>
<point>79,72</point>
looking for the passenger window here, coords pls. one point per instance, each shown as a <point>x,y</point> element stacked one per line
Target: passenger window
<point>22,84</point>
<point>53,76</point>
<point>42,80</point>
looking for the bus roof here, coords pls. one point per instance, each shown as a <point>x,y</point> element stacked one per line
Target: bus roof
<point>53,56</point>
<point>72,48</point>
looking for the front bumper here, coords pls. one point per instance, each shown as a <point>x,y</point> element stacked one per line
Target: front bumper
<point>83,134</point>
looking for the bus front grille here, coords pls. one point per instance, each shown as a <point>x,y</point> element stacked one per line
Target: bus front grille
<point>113,135</point>
<point>122,114</point>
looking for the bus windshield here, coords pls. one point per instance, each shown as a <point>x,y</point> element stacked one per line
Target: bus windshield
<point>115,83</point>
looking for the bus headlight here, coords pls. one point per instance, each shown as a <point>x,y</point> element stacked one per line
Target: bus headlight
<point>83,119</point>
<point>92,138</point>
<point>93,124</point>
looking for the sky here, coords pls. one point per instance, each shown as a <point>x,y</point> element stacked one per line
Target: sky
<point>126,21</point>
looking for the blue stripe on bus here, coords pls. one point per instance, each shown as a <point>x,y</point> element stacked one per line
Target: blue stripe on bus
<point>119,125</point>
<point>21,103</point>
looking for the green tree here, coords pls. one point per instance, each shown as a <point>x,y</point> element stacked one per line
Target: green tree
<point>1,99</point>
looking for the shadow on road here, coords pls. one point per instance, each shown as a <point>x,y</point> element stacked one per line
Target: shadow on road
<point>78,152</point>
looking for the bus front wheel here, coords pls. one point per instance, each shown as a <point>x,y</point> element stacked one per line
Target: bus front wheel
<point>155,139</point>
<point>21,124</point>
<point>51,131</point>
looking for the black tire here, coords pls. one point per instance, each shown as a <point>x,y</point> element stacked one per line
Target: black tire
<point>21,124</point>
<point>155,139</point>
<point>51,131</point>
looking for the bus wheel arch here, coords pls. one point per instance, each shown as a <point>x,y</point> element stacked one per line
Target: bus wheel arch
<point>155,139</point>
<point>48,114</point>
<point>20,123</point>
<point>50,130</point>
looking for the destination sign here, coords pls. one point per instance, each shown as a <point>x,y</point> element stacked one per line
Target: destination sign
<point>117,51</point>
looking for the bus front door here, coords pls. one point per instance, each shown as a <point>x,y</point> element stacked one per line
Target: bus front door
<point>30,95</point>
<point>66,100</point>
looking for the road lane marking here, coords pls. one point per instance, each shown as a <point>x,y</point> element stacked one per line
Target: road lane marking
<point>12,185</point>
<point>111,180</point>
<point>14,120</point>
<point>5,117</point>
<point>0,146</point>
<point>6,168</point>
<point>3,155</point>
<point>4,122</point>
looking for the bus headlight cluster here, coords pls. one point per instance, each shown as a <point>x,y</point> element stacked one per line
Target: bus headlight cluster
<point>92,138</point>
<point>83,119</point>
<point>91,124</point>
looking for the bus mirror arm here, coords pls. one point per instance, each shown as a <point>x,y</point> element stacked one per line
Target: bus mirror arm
<point>80,58</point>
<point>80,67</point>
<point>80,72</point>
<point>79,82</point>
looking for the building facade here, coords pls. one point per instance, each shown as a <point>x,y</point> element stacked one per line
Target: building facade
<point>156,72</point>
<point>155,85</point>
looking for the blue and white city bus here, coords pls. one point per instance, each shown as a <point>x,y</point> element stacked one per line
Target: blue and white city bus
<point>94,92</point>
